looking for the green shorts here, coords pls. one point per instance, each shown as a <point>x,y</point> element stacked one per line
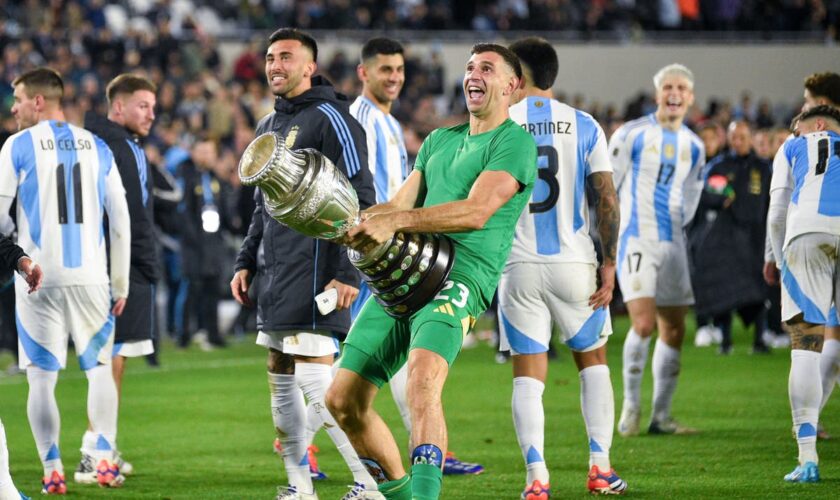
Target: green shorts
<point>378,345</point>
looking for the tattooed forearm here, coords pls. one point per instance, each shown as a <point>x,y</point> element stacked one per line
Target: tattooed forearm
<point>805,336</point>
<point>606,211</point>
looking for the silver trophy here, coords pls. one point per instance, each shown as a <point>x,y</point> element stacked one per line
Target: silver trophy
<point>303,190</point>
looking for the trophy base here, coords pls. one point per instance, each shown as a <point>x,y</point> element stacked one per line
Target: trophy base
<point>406,272</point>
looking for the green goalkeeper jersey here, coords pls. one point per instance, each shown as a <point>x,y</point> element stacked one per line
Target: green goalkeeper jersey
<point>451,160</point>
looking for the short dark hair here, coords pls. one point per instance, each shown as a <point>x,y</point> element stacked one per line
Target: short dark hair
<point>509,57</point>
<point>824,111</point>
<point>44,81</point>
<point>381,45</point>
<point>826,85</point>
<point>295,34</point>
<point>127,84</point>
<point>539,58</point>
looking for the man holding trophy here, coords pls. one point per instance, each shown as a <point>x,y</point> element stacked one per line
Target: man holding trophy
<point>308,114</point>
<point>471,181</point>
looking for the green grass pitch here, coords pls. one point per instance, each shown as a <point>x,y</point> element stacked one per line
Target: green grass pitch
<point>200,428</point>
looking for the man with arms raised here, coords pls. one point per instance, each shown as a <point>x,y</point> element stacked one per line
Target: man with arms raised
<point>551,271</point>
<point>131,112</point>
<point>658,164</point>
<point>472,181</point>
<point>804,225</point>
<point>308,113</point>
<point>65,180</point>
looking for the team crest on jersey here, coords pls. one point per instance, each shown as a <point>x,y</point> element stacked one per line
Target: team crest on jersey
<point>669,151</point>
<point>291,136</point>
<point>538,104</point>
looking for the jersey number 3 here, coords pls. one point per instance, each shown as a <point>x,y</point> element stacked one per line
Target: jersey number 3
<point>65,191</point>
<point>549,176</point>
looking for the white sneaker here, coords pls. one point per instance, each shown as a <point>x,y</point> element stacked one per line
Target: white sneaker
<point>703,337</point>
<point>628,424</point>
<point>125,467</point>
<point>716,334</point>
<point>291,493</point>
<point>86,470</point>
<point>200,339</point>
<point>358,492</point>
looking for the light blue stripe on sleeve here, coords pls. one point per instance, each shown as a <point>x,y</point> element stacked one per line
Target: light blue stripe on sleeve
<point>797,155</point>
<point>587,136</point>
<point>23,157</point>
<point>380,179</point>
<point>71,233</point>
<point>351,157</point>
<point>142,169</point>
<point>546,232</point>
<point>664,182</point>
<point>106,161</point>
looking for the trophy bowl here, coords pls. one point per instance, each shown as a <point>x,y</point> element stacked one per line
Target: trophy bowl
<point>303,190</point>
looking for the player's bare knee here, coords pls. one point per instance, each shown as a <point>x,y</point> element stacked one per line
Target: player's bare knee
<point>644,326</point>
<point>279,363</point>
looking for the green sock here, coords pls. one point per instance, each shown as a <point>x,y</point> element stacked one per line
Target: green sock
<point>399,489</point>
<point>426,481</point>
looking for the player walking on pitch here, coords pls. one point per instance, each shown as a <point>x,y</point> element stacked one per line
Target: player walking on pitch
<point>658,164</point>
<point>65,180</point>
<point>551,271</point>
<point>804,224</point>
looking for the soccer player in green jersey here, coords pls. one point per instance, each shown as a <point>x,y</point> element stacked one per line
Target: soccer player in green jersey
<point>471,181</point>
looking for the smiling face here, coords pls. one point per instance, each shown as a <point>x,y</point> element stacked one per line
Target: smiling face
<point>674,97</point>
<point>488,83</point>
<point>383,77</point>
<point>288,68</point>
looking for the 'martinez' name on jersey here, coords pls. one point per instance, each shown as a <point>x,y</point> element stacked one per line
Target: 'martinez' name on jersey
<point>659,178</point>
<point>571,145</point>
<point>64,178</point>
<point>810,166</point>
<point>387,158</point>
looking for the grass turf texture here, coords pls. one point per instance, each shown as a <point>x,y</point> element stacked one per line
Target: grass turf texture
<point>200,427</point>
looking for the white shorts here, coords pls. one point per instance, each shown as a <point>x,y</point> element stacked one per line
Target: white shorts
<point>133,349</point>
<point>45,317</point>
<point>314,343</point>
<point>532,295</point>
<point>655,269</point>
<point>810,278</point>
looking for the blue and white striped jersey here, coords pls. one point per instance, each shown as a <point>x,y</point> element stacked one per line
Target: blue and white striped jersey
<point>809,166</point>
<point>65,180</point>
<point>659,178</point>
<point>387,158</point>
<point>570,146</point>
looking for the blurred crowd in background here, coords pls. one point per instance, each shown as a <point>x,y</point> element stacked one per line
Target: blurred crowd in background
<point>200,97</point>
